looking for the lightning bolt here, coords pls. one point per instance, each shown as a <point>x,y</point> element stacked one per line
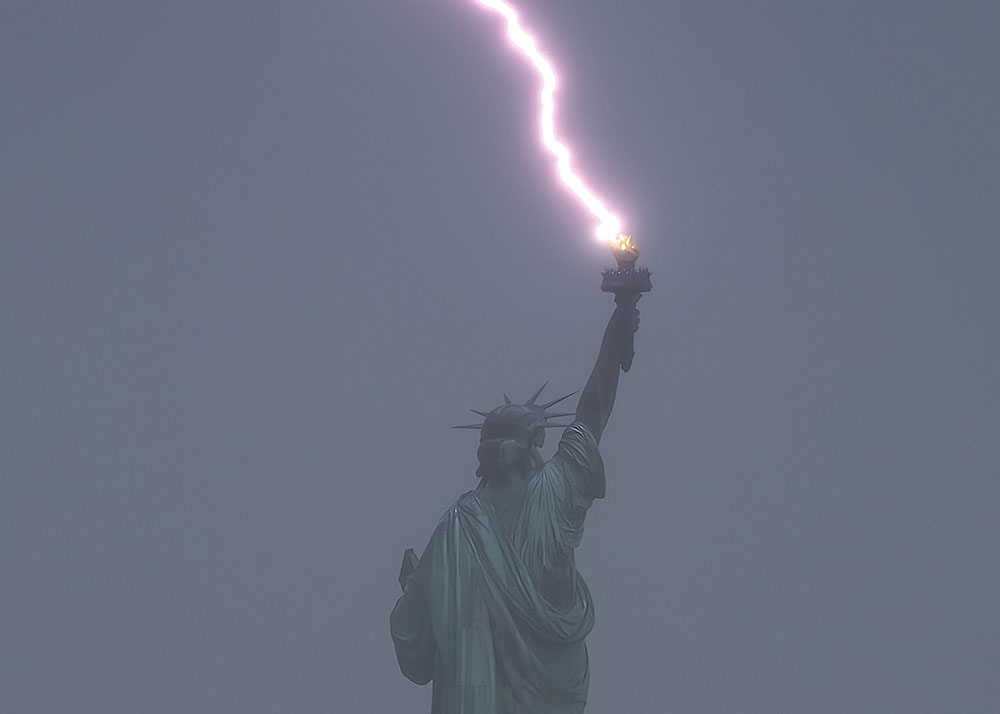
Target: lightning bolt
<point>609,225</point>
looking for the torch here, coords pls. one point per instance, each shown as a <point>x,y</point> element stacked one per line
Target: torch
<point>626,280</point>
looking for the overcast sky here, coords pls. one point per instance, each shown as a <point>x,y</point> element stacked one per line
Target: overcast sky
<point>256,258</point>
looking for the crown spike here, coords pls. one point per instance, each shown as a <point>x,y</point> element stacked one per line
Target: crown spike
<point>482,414</point>
<point>531,402</point>
<point>556,401</point>
<point>469,426</point>
<point>556,426</point>
<point>506,399</point>
<point>558,416</point>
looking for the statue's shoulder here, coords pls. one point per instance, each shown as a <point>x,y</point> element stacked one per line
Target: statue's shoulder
<point>577,464</point>
<point>468,503</point>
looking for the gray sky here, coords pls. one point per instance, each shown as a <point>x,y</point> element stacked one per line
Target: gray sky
<point>256,258</point>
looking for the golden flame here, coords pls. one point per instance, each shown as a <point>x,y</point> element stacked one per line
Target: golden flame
<point>621,242</point>
<point>624,249</point>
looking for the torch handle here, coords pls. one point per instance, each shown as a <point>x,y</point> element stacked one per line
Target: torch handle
<point>625,299</point>
<point>629,353</point>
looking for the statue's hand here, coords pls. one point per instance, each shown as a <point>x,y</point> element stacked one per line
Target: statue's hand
<point>626,303</point>
<point>626,318</point>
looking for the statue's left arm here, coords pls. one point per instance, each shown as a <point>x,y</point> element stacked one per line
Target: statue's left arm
<point>598,398</point>
<point>410,623</point>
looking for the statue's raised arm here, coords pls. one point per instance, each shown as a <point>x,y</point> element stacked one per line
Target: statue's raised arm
<point>598,396</point>
<point>628,283</point>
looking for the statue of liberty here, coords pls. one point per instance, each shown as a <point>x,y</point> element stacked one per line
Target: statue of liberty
<point>495,611</point>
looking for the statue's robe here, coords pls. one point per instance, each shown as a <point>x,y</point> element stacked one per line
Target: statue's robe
<point>498,620</point>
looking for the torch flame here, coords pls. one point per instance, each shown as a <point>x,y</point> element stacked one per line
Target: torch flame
<point>622,242</point>
<point>623,248</point>
<point>610,225</point>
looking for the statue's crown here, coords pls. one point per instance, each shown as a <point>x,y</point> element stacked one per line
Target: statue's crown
<point>517,421</point>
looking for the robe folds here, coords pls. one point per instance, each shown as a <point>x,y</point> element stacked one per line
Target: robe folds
<point>498,620</point>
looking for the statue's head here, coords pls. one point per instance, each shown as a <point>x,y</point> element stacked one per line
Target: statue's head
<point>512,434</point>
<point>523,423</point>
<point>510,439</point>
